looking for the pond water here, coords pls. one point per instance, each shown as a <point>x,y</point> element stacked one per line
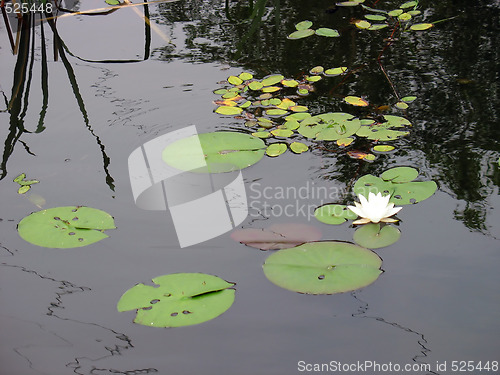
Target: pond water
<point>71,122</point>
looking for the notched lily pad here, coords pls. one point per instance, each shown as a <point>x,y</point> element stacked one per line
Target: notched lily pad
<point>222,151</point>
<point>180,299</point>
<point>276,149</point>
<point>323,268</point>
<point>334,214</point>
<point>65,227</point>
<point>400,174</point>
<point>374,236</point>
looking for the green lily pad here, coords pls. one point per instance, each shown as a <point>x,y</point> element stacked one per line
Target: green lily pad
<point>65,227</point>
<point>421,26</point>
<point>378,26</point>
<point>400,174</point>
<point>303,25</point>
<point>401,105</point>
<point>112,2</point>
<point>408,99</point>
<point>325,31</point>
<point>276,112</point>
<point>395,12</point>
<point>383,148</point>
<point>329,126</point>
<point>223,152</point>
<point>412,192</point>
<point>383,131</point>
<point>317,70</point>
<point>313,78</point>
<point>19,178</point>
<point>284,133</point>
<point>408,4</point>
<point>298,147</point>
<point>233,80</point>
<point>335,71</point>
<point>356,100</point>
<point>323,268</point>
<point>245,76</point>
<point>276,149</point>
<point>180,299</point>
<point>374,236</point>
<point>255,85</point>
<point>371,184</point>
<point>299,34</point>
<point>334,214</point>
<point>272,79</point>
<point>23,189</point>
<point>261,134</point>
<point>375,17</point>
<point>228,110</point>
<point>289,83</point>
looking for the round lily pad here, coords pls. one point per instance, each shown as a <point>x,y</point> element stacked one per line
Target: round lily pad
<point>298,147</point>
<point>65,227</point>
<point>276,149</point>
<point>284,133</point>
<point>272,79</point>
<point>362,24</point>
<point>325,31</point>
<point>356,100</point>
<point>223,152</point>
<point>421,26</point>
<point>335,71</point>
<point>400,174</point>
<point>374,236</point>
<point>228,110</point>
<point>233,80</point>
<point>329,126</point>
<point>323,268</point>
<point>334,214</point>
<point>299,34</point>
<point>303,25</point>
<point>180,299</point>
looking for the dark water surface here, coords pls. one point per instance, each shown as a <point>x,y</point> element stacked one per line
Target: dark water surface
<point>438,300</point>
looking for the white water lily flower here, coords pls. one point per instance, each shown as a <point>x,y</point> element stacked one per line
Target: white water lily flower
<point>376,209</point>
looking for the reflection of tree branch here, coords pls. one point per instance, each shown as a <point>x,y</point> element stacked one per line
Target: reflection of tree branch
<point>81,104</point>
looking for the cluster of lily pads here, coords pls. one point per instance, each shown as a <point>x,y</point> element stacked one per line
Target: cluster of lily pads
<point>396,186</point>
<point>269,109</point>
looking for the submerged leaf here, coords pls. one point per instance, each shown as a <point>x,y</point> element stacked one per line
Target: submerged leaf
<point>277,236</point>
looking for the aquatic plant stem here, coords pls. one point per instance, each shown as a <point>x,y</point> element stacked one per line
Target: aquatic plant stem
<point>7,26</point>
<point>390,40</point>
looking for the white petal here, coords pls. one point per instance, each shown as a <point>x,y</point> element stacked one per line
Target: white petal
<point>361,221</point>
<point>388,220</point>
<point>357,210</point>
<point>363,200</point>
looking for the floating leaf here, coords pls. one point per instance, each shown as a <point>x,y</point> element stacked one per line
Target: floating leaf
<point>324,31</point>
<point>276,149</point>
<point>228,110</point>
<point>19,178</point>
<point>276,112</point>
<point>404,17</point>
<point>409,4</point>
<point>277,236</point>
<point>272,79</point>
<point>383,148</point>
<point>289,82</point>
<point>180,299</point>
<point>375,17</point>
<point>355,100</point>
<point>298,116</point>
<point>291,124</point>
<point>335,71</point>
<point>245,76</point>
<point>356,154</point>
<point>255,85</point>
<point>65,227</point>
<point>334,214</point>
<point>282,132</point>
<point>247,104</point>
<point>323,268</point>
<point>261,134</point>
<point>421,26</point>
<point>233,80</point>
<point>298,108</point>
<point>23,189</point>
<point>298,147</point>
<point>374,236</point>
<point>28,182</point>
<point>383,131</point>
<point>230,95</point>
<point>348,3</point>
<point>329,126</point>
<point>412,192</point>
<point>401,105</point>
<point>222,151</point>
<point>317,70</point>
<point>343,142</point>
<point>271,89</point>
<point>378,26</point>
<point>414,12</point>
<point>400,174</point>
<point>303,25</point>
<point>362,24</point>
<point>313,78</point>
<point>299,34</point>
<point>395,12</point>
<point>408,99</point>
<point>112,2</point>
